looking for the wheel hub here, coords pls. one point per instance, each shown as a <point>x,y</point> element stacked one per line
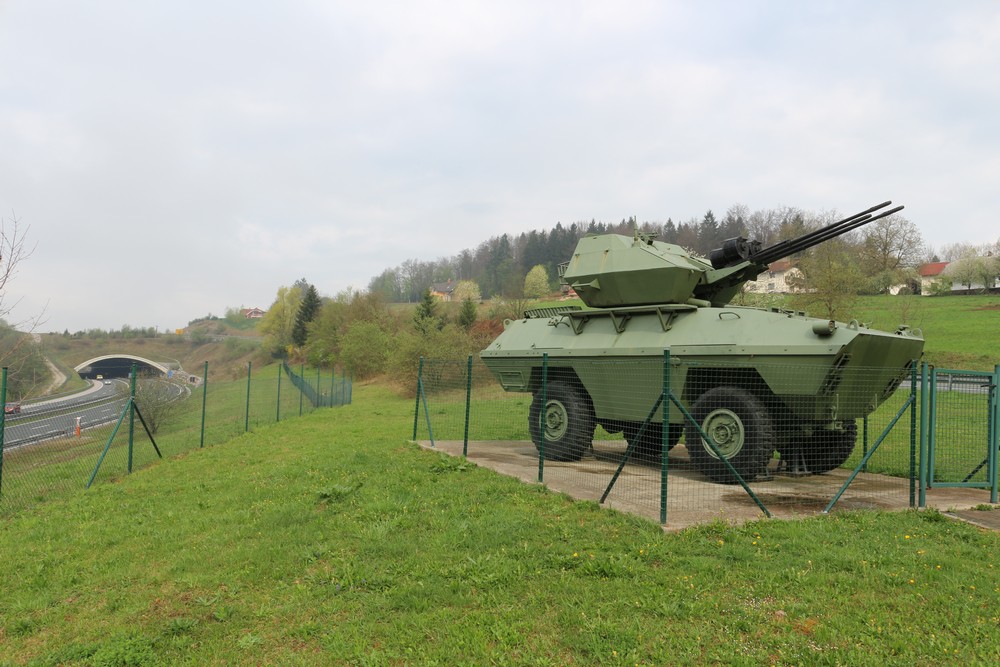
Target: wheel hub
<point>556,421</point>
<point>726,429</point>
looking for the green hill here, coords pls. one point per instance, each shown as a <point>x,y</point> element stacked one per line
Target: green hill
<point>226,354</point>
<point>328,539</point>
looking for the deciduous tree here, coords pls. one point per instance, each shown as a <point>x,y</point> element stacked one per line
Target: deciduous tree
<point>158,400</point>
<point>536,283</point>
<point>831,280</point>
<point>889,244</point>
<point>276,325</point>
<point>467,290</point>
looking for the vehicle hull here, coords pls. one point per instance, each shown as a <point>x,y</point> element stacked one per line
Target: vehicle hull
<point>817,370</point>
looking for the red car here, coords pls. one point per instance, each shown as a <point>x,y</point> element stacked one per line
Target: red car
<point>12,408</point>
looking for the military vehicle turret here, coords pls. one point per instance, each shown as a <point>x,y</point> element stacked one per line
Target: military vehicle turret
<point>756,380</point>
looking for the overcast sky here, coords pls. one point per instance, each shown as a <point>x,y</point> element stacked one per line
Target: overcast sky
<point>173,159</point>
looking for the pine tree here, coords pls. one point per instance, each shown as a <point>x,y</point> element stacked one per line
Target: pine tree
<point>425,317</point>
<point>307,313</point>
<point>467,316</point>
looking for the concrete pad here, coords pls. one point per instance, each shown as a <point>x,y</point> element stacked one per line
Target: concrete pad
<point>691,498</point>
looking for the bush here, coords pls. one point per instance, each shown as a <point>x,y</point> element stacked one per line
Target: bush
<point>448,344</point>
<point>364,349</point>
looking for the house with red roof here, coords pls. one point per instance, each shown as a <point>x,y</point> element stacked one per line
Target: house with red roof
<point>929,274</point>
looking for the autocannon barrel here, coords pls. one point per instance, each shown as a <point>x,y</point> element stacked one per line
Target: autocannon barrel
<point>734,251</point>
<point>792,246</point>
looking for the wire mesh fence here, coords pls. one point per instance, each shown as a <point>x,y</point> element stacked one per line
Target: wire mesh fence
<point>963,419</point>
<point>54,447</point>
<point>684,437</point>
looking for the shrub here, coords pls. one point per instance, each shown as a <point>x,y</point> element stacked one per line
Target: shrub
<point>364,349</point>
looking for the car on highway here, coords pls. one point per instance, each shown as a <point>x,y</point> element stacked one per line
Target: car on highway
<point>107,382</point>
<point>12,408</point>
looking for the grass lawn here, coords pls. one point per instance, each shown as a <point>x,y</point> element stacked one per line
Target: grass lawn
<point>330,540</point>
<point>961,332</point>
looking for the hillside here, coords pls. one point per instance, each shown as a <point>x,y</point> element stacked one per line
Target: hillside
<point>227,355</point>
<point>329,540</point>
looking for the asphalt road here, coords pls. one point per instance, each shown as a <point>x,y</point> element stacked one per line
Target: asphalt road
<point>100,404</point>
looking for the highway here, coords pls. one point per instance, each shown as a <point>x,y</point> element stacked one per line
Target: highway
<point>97,405</point>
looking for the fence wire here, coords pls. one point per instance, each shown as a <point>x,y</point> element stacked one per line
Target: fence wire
<point>744,438</point>
<point>54,447</point>
<point>964,415</point>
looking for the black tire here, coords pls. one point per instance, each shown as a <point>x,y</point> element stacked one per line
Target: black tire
<point>568,421</point>
<point>650,446</point>
<point>741,427</point>
<point>829,449</point>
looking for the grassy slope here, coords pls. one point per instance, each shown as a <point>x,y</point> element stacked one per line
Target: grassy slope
<point>961,332</point>
<point>226,359</point>
<point>328,540</point>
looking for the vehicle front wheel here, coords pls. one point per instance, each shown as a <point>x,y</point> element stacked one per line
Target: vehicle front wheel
<point>741,427</point>
<point>567,421</point>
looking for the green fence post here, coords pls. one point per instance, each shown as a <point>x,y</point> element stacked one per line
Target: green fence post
<point>914,471</point>
<point>333,386</point>
<point>301,384</point>
<point>924,420</point>
<point>864,439</point>
<point>246,419</point>
<point>665,440</point>
<point>3,420</point>
<point>204,402</point>
<point>416,405</point>
<point>131,415</point>
<point>468,404</point>
<point>277,409</point>
<point>319,396</point>
<point>541,417</point>
<point>994,445</point>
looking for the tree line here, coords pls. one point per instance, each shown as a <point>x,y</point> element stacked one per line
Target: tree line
<point>499,265</point>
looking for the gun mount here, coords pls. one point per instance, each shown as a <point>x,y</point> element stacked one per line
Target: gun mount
<point>613,271</point>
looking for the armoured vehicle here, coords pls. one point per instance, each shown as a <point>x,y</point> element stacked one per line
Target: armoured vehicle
<point>757,381</point>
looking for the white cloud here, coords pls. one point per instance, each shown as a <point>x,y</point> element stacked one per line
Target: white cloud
<point>174,159</point>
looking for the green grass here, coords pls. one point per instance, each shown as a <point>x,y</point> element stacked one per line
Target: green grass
<point>329,540</point>
<point>960,331</point>
<point>61,467</point>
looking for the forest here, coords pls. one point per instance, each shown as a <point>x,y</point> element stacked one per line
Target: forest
<point>498,266</point>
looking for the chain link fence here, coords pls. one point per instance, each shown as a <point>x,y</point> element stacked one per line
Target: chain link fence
<point>54,447</point>
<point>963,417</point>
<point>692,440</point>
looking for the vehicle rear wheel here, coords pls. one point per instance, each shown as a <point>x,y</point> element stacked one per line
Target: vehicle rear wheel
<point>567,420</point>
<point>650,446</point>
<point>830,449</point>
<point>741,427</point>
